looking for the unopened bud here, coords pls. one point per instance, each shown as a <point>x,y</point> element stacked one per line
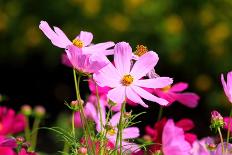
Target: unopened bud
<point>74,105</point>
<point>158,152</point>
<point>147,138</point>
<point>26,145</point>
<point>211,146</point>
<point>26,110</point>
<point>39,111</point>
<point>216,120</point>
<point>20,139</point>
<point>82,151</point>
<point>127,114</point>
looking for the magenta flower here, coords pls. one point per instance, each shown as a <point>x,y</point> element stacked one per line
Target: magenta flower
<point>126,79</point>
<point>84,63</point>
<point>10,123</point>
<point>83,40</point>
<point>127,133</point>
<point>174,93</point>
<point>7,145</point>
<point>227,86</point>
<point>173,140</point>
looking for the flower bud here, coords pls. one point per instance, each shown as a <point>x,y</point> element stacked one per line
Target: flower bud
<point>216,120</point>
<point>26,145</point>
<point>147,138</point>
<point>127,114</point>
<point>20,139</point>
<point>111,103</point>
<point>26,110</point>
<point>39,111</point>
<point>82,151</point>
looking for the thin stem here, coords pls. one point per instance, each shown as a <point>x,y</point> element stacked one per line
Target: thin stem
<point>220,134</point>
<point>160,113</point>
<point>27,130</point>
<point>35,132</point>
<point>228,131</point>
<point>73,123</point>
<point>120,128</point>
<point>101,123</point>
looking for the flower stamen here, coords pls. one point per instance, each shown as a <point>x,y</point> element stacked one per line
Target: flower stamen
<point>78,43</point>
<point>140,50</point>
<point>127,80</point>
<point>166,89</point>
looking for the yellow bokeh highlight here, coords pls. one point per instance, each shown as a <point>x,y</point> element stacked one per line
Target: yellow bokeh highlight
<point>174,24</point>
<point>203,82</point>
<point>218,34</point>
<point>131,5</point>
<point>3,21</point>
<point>118,22</point>
<point>206,15</point>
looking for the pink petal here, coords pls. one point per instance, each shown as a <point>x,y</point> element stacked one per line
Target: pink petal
<point>145,63</point>
<point>228,121</point>
<point>226,87</point>
<point>173,140</point>
<point>130,132</point>
<point>115,119</point>
<point>130,147</point>
<point>188,99</point>
<point>158,82</point>
<point>108,76</point>
<point>178,87</point>
<point>117,94</point>
<point>190,137</point>
<point>86,37</point>
<point>132,95</point>
<point>91,111</point>
<point>122,57</point>
<point>169,96</point>
<point>57,37</point>
<point>148,96</point>
<point>100,48</point>
<point>185,124</point>
<point>7,151</point>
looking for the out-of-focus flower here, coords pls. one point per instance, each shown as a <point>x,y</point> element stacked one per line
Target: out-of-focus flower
<point>83,40</point>
<point>25,152</point>
<point>173,140</point>
<point>156,133</point>
<point>127,133</point>
<point>7,145</point>
<point>39,111</point>
<point>11,123</point>
<point>174,93</point>
<point>84,63</point>
<point>26,110</point>
<point>126,81</point>
<point>227,86</point>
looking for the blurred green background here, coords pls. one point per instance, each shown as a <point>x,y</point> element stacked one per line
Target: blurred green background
<point>193,40</point>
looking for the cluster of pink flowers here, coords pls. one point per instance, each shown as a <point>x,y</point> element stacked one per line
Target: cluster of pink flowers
<point>130,78</point>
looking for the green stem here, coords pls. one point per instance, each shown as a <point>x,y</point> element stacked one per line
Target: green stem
<point>66,148</point>
<point>160,113</point>
<point>27,130</point>
<point>87,133</point>
<point>120,128</point>
<point>228,131</point>
<point>73,123</point>
<point>220,134</point>
<point>35,133</point>
<point>101,122</point>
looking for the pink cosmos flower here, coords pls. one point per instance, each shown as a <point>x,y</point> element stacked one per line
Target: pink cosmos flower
<point>126,79</point>
<point>173,140</point>
<point>10,123</point>
<point>7,145</point>
<point>227,86</point>
<point>84,63</point>
<point>127,133</point>
<point>83,40</point>
<point>156,133</point>
<point>174,93</point>
<point>25,152</point>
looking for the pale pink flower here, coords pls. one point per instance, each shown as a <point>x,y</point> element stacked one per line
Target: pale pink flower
<point>126,80</point>
<point>174,93</point>
<point>173,140</point>
<point>84,63</point>
<point>227,86</point>
<point>83,40</point>
<point>127,133</point>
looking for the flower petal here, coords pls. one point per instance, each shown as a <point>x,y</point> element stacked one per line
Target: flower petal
<point>225,87</point>
<point>148,96</point>
<point>115,119</point>
<point>122,57</point>
<point>129,148</point>
<point>133,96</point>
<point>100,48</point>
<point>86,37</point>
<point>117,94</point>
<point>145,63</point>
<point>130,132</point>
<point>178,87</point>
<point>108,76</point>
<point>57,37</point>
<point>158,82</point>
<point>188,99</point>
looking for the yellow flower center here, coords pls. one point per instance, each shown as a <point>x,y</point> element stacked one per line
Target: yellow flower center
<point>111,132</point>
<point>140,50</point>
<point>166,89</point>
<point>127,80</point>
<point>78,43</point>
